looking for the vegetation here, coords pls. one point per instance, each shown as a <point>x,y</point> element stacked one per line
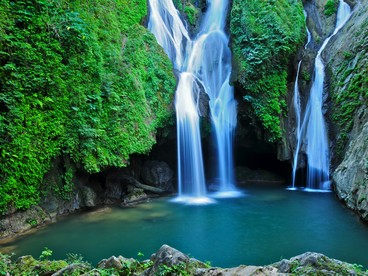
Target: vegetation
<point>265,36</point>
<point>75,265</point>
<point>189,9</point>
<point>331,7</point>
<point>81,79</point>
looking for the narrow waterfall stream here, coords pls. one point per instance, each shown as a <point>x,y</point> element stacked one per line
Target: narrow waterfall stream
<point>317,148</point>
<point>298,113</point>
<point>204,64</point>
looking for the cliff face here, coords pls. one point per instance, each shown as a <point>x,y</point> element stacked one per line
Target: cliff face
<point>347,59</point>
<point>85,81</point>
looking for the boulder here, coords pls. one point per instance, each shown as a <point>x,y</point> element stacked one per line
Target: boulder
<point>114,262</point>
<point>311,263</point>
<point>158,174</point>
<point>168,257</point>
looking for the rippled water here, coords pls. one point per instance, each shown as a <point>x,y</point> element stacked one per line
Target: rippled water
<point>264,226</point>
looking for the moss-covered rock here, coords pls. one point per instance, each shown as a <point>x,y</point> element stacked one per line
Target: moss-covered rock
<point>265,35</point>
<point>78,79</point>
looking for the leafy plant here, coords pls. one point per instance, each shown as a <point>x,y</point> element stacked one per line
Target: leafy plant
<point>5,264</point>
<point>178,269</point>
<point>45,254</point>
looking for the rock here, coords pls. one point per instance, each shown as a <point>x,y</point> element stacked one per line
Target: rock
<point>22,221</point>
<point>311,263</point>
<point>347,61</point>
<point>351,176</point>
<point>113,189</point>
<point>169,261</point>
<point>238,271</point>
<point>26,261</point>
<point>134,195</point>
<point>114,262</point>
<point>170,257</point>
<point>73,269</point>
<point>89,197</point>
<point>158,174</point>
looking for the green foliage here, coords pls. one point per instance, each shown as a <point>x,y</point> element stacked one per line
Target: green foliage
<point>331,7</point>
<point>179,269</point>
<point>33,222</point>
<point>306,76</point>
<point>5,264</point>
<point>265,35</point>
<point>46,253</point>
<point>74,258</point>
<point>188,8</point>
<point>81,79</point>
<point>192,13</point>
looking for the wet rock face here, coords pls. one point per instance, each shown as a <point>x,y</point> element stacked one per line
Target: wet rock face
<point>158,174</point>
<point>22,221</point>
<point>351,176</point>
<point>347,67</point>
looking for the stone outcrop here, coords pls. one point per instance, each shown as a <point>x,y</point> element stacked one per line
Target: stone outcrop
<point>22,221</point>
<point>169,261</point>
<point>351,176</point>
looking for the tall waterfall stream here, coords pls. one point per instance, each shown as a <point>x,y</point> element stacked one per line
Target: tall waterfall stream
<point>204,64</point>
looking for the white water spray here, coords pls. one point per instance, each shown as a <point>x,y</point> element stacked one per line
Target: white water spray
<point>297,109</point>
<point>204,63</point>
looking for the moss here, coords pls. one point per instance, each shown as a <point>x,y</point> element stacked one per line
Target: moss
<point>265,35</point>
<point>81,79</point>
<point>192,13</point>
<point>350,97</point>
<point>331,7</point>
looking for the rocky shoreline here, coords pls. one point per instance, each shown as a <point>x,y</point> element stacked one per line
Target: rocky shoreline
<point>169,261</point>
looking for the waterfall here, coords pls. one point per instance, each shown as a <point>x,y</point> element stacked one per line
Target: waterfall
<point>317,148</point>
<point>203,64</point>
<point>297,109</point>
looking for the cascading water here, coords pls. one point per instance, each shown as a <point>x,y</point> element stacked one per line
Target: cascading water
<point>297,109</point>
<point>204,63</point>
<point>317,149</point>
<point>210,61</point>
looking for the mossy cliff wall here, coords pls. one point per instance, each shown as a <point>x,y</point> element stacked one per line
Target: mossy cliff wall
<point>81,80</point>
<point>265,36</point>
<point>347,59</point>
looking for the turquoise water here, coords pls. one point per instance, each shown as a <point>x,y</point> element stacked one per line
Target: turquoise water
<point>264,226</point>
